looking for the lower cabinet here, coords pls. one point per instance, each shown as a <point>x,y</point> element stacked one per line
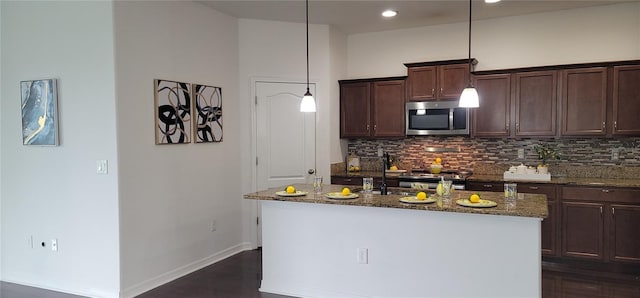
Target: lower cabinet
<point>601,223</point>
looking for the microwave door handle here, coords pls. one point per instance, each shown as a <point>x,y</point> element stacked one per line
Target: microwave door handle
<point>450,118</point>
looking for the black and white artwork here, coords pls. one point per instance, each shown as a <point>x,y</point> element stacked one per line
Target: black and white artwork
<point>173,112</point>
<point>207,113</point>
<point>39,112</point>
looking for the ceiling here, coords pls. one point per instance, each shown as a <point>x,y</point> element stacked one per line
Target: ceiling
<point>358,16</point>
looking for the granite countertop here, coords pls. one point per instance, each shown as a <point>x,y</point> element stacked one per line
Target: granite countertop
<point>565,181</point>
<point>527,205</point>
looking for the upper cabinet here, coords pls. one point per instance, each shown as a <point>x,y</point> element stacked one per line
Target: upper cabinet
<point>584,101</point>
<point>521,104</point>
<point>372,108</point>
<point>492,118</point>
<point>440,80</point>
<point>535,100</point>
<point>626,100</point>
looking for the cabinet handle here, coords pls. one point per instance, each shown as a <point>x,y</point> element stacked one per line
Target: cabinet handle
<point>441,90</point>
<point>367,127</point>
<point>487,186</point>
<point>533,187</point>
<point>606,190</point>
<point>507,127</point>
<point>433,91</point>
<point>613,211</point>
<point>603,124</point>
<point>600,210</point>
<point>517,126</point>
<point>615,125</point>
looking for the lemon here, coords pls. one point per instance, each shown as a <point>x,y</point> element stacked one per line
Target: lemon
<point>474,198</point>
<point>393,168</point>
<point>290,189</point>
<point>438,160</point>
<point>346,191</point>
<point>439,189</point>
<point>421,196</point>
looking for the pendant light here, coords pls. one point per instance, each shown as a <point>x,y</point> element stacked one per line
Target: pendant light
<point>308,104</point>
<point>469,97</point>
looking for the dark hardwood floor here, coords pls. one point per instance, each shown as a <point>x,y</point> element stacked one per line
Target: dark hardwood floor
<point>239,277</point>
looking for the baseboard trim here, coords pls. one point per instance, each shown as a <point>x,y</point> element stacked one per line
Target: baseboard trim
<point>63,290</point>
<point>164,278</point>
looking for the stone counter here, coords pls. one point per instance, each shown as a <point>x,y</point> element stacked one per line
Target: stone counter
<point>527,205</point>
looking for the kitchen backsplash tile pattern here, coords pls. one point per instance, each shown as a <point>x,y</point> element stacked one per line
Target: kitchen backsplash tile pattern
<point>411,153</point>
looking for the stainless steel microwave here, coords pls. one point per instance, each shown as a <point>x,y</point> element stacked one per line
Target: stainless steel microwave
<point>436,118</point>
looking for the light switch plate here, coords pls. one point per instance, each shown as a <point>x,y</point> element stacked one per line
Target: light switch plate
<point>521,153</point>
<point>102,167</point>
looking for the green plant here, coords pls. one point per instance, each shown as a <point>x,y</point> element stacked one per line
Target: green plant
<point>547,152</point>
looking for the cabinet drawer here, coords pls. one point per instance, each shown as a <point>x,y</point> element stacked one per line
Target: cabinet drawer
<point>601,194</point>
<point>346,180</point>
<point>544,189</point>
<point>485,186</point>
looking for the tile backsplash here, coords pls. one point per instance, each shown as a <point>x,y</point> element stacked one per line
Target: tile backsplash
<point>411,152</point>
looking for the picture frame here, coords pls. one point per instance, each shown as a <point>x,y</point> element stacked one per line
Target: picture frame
<point>39,108</point>
<point>207,114</point>
<point>172,101</point>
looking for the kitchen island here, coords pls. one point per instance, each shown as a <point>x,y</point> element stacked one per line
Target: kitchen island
<point>377,246</point>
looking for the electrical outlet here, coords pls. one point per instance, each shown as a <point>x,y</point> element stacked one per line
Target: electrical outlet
<point>380,153</point>
<point>102,167</point>
<point>521,153</point>
<point>214,226</point>
<point>615,153</point>
<point>54,244</point>
<point>363,256</point>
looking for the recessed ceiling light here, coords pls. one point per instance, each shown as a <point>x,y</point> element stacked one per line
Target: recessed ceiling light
<point>389,13</point>
<point>491,1</point>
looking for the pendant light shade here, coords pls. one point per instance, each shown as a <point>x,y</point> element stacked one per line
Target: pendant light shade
<point>469,97</point>
<point>308,104</point>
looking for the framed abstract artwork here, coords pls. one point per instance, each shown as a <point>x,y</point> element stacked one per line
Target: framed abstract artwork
<point>207,113</point>
<point>173,112</point>
<point>39,104</point>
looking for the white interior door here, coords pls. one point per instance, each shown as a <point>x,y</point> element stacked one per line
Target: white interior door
<point>285,137</point>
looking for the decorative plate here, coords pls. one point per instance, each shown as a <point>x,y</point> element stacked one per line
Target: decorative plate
<point>481,204</point>
<point>340,196</point>
<point>298,193</point>
<point>414,200</point>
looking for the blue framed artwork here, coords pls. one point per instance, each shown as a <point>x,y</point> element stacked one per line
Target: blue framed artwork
<point>173,112</point>
<point>207,105</point>
<point>39,112</point>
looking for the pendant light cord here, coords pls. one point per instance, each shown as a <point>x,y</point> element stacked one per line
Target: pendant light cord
<point>469,76</point>
<point>307,10</point>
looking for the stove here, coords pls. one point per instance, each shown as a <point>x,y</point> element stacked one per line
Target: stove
<point>423,176</point>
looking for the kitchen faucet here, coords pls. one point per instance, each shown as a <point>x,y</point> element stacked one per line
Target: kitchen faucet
<point>385,166</point>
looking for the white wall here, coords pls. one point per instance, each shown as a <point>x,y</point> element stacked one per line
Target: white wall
<point>277,50</point>
<point>170,194</point>
<point>54,192</point>
<point>604,33</point>
<point>0,146</point>
<point>338,62</point>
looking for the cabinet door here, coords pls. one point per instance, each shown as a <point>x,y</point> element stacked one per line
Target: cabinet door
<point>535,102</point>
<point>626,100</point>
<point>388,108</point>
<point>491,119</point>
<point>355,110</point>
<point>625,226</point>
<point>452,79</point>
<point>421,83</point>
<point>549,224</point>
<point>582,230</point>
<point>584,101</point>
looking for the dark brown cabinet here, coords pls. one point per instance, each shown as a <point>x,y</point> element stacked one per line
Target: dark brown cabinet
<point>492,118</point>
<point>626,100</point>
<point>535,100</point>
<point>442,80</point>
<point>522,104</point>
<point>341,180</point>
<point>584,101</point>
<point>601,223</point>
<point>583,230</point>
<point>550,225</point>
<point>372,108</point>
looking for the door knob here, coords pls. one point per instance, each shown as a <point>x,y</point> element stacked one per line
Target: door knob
<point>311,171</point>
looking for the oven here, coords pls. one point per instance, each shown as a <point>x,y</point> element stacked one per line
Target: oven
<point>432,180</point>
